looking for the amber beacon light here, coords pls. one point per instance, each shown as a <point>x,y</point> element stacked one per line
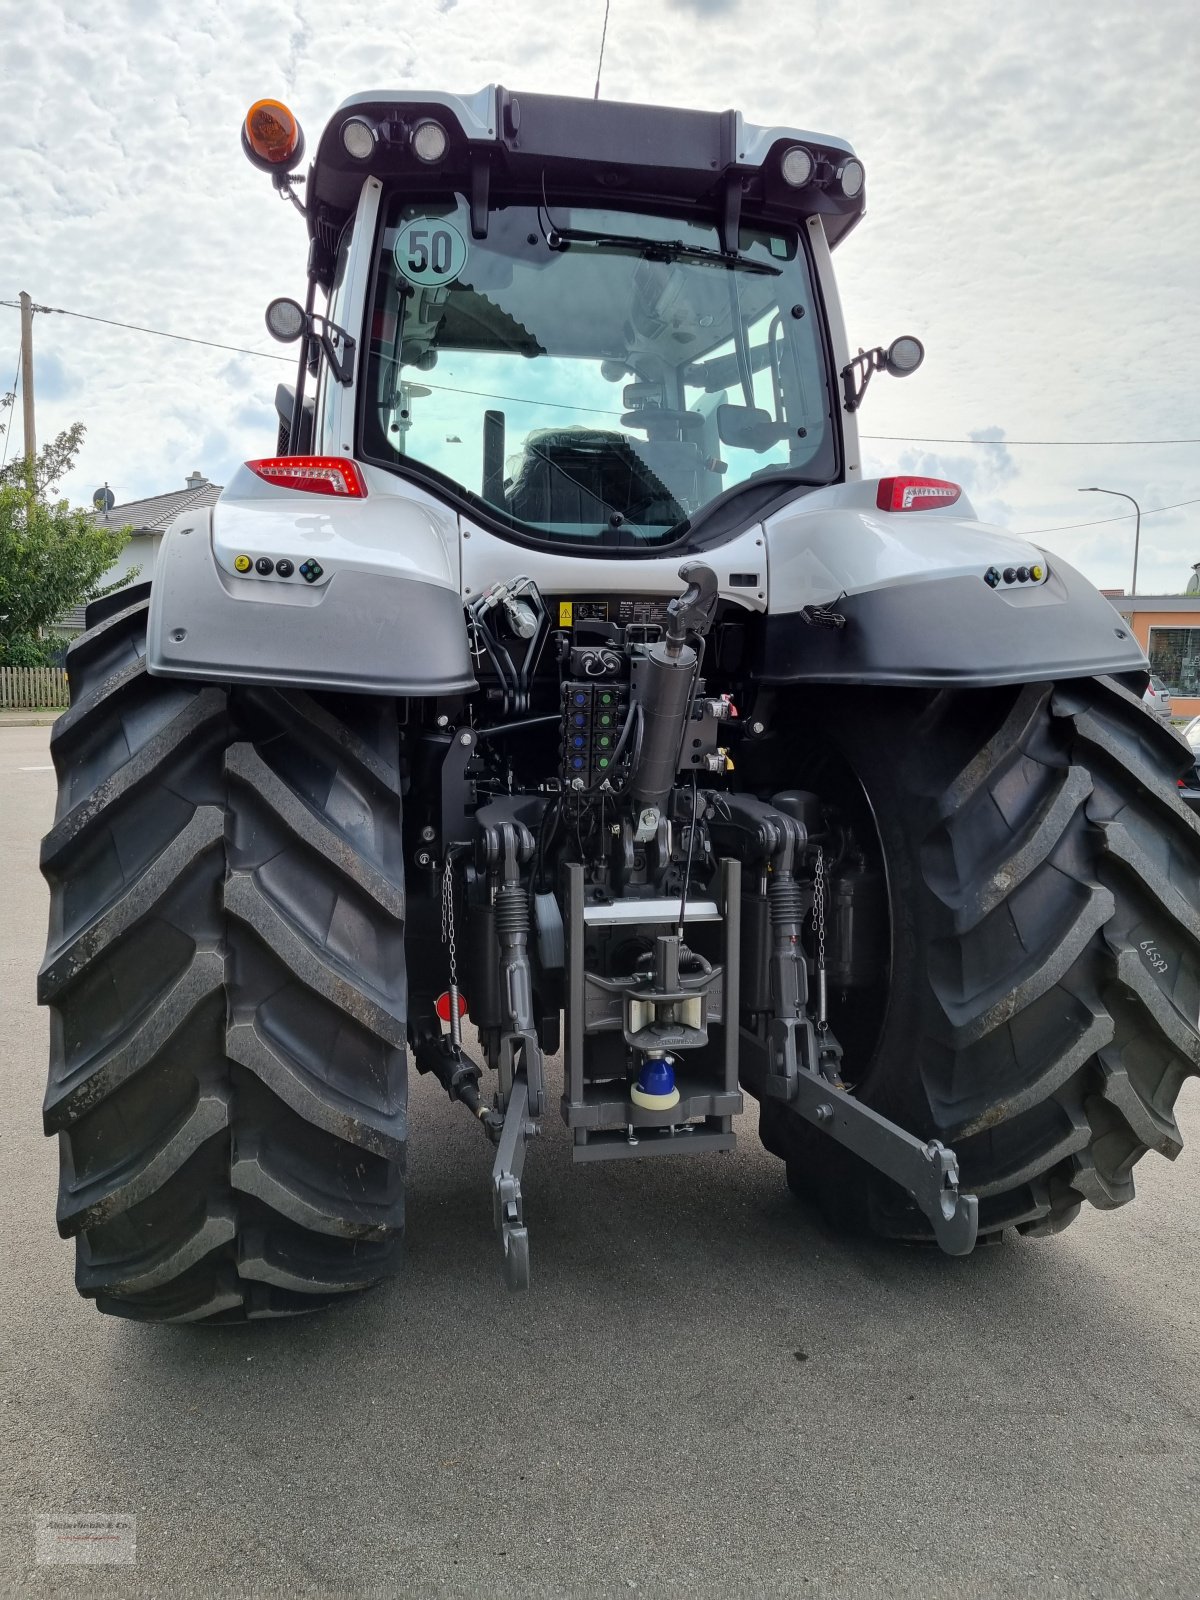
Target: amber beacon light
<point>271,137</point>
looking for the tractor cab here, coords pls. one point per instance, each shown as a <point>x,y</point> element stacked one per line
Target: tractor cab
<point>585,324</point>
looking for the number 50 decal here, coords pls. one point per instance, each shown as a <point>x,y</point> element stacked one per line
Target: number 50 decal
<point>430,251</point>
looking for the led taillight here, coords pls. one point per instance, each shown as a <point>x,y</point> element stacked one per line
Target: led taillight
<point>335,475</point>
<point>915,494</point>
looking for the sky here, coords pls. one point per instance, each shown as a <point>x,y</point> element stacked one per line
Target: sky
<point>1033,216</point>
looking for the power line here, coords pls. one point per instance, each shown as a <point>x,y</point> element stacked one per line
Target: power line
<point>159,333</point>
<point>12,410</point>
<point>891,438</point>
<point>900,438</point>
<point>1125,517</point>
<point>603,37</point>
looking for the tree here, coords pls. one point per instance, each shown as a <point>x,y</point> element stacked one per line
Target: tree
<point>52,555</point>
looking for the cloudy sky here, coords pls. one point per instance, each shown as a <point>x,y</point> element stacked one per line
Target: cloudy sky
<point>1033,215</point>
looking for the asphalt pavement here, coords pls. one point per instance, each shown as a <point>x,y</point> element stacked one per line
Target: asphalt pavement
<point>705,1392</point>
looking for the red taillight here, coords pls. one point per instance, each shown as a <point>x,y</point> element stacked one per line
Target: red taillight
<point>314,474</point>
<point>915,494</point>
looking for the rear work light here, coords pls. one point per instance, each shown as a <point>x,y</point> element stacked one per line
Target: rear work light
<point>429,141</point>
<point>334,475</point>
<point>359,138</point>
<point>915,494</point>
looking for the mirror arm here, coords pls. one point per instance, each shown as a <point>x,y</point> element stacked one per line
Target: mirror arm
<point>856,375</point>
<point>337,345</point>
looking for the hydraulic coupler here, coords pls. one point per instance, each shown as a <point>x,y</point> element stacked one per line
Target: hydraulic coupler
<point>768,838</point>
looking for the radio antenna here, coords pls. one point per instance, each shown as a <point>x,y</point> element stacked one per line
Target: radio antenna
<point>603,37</point>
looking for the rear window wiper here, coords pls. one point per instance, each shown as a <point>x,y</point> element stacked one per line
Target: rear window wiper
<point>658,249</point>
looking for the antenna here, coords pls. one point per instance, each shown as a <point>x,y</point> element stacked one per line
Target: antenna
<point>603,37</point>
<point>104,500</point>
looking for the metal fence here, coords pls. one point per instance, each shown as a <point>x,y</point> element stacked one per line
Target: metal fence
<point>33,689</point>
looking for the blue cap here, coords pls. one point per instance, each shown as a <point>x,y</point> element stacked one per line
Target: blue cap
<point>656,1077</point>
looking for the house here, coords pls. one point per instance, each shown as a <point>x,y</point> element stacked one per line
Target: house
<point>1167,626</point>
<point>149,520</point>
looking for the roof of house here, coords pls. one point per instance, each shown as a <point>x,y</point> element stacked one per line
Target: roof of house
<point>1127,604</point>
<point>149,516</point>
<point>158,511</point>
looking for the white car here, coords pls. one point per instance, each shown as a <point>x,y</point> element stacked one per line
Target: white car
<point>1189,784</point>
<point>1157,698</point>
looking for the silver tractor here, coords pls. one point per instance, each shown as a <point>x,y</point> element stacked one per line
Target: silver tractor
<point>562,673</point>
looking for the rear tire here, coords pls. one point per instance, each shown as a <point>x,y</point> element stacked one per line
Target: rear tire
<point>1042,1011</point>
<point>225,973</point>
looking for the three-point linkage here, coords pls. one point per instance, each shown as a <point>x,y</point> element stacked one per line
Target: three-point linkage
<point>799,1063</point>
<point>505,845</point>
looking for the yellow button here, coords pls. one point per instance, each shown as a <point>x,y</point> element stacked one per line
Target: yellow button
<point>1037,573</point>
<point>242,563</point>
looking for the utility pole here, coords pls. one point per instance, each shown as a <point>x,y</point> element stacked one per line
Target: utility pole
<point>1137,527</point>
<point>27,383</point>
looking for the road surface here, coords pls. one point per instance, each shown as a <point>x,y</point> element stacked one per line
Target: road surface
<point>705,1393</point>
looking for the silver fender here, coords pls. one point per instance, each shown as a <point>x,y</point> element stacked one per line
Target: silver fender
<point>928,598</point>
<point>381,616</point>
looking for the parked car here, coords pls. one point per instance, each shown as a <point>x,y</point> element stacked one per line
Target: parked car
<point>1157,698</point>
<point>1189,784</point>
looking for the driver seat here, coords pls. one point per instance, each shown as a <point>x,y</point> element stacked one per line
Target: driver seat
<point>583,475</point>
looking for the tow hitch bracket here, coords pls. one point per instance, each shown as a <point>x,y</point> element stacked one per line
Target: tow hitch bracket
<point>928,1171</point>
<point>508,1205</point>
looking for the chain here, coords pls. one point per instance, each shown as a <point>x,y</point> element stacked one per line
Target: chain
<point>818,927</point>
<point>818,908</point>
<point>448,939</point>
<point>448,934</point>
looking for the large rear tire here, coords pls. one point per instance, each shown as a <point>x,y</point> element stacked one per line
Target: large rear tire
<point>1041,1016</point>
<point>225,973</point>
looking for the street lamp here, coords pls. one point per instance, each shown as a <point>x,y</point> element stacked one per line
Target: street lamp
<point>1137,532</point>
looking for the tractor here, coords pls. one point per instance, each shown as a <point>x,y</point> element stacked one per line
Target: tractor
<point>562,709</point>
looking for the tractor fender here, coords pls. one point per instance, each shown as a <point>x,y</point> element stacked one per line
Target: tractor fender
<point>368,600</point>
<point>918,604</point>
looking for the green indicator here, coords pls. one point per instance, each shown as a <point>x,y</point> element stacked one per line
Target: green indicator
<point>605,741</point>
<point>605,719</point>
<point>606,699</point>
<point>602,763</point>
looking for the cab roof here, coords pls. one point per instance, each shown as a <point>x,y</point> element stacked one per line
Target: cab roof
<point>504,146</point>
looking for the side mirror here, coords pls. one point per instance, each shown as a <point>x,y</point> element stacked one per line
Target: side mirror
<point>902,356</point>
<point>286,320</point>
